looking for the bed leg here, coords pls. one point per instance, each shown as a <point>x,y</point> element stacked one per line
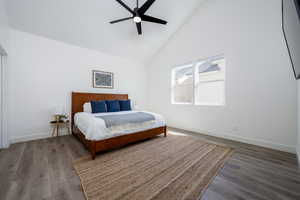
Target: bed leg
<point>93,150</point>
<point>165,132</point>
<point>93,154</point>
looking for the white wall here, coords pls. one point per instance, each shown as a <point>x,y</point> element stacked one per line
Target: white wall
<point>261,94</point>
<point>43,74</point>
<point>4,26</point>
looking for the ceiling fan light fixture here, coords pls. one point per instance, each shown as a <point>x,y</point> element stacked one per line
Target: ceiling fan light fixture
<point>137,19</point>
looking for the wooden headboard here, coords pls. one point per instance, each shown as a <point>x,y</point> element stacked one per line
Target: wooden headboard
<point>78,99</point>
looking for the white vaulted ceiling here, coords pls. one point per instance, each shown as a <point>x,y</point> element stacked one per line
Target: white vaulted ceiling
<point>85,23</point>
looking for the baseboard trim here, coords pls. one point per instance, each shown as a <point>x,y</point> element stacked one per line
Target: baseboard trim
<point>31,137</point>
<point>262,143</point>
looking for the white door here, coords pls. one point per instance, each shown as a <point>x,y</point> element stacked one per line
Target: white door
<point>4,143</point>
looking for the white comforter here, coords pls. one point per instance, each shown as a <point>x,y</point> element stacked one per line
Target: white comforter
<point>94,128</point>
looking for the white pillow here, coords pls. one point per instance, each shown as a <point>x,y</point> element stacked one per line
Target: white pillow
<point>87,107</point>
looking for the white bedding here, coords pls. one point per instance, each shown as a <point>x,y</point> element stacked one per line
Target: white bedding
<point>94,128</point>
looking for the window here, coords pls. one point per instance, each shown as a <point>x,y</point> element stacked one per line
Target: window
<point>183,84</point>
<point>200,83</point>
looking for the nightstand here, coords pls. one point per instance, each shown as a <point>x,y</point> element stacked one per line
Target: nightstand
<point>57,125</point>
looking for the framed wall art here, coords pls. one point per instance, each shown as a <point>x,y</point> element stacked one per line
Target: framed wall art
<point>103,79</point>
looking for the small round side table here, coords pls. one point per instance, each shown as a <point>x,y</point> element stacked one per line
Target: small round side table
<point>57,125</point>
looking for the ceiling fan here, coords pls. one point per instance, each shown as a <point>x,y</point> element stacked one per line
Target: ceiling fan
<point>138,15</point>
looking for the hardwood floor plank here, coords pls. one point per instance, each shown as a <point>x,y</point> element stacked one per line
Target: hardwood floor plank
<point>292,171</point>
<point>278,177</point>
<point>256,185</point>
<point>233,191</point>
<point>210,194</point>
<point>25,174</point>
<point>9,164</point>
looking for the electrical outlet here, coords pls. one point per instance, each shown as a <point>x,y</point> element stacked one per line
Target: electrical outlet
<point>235,128</point>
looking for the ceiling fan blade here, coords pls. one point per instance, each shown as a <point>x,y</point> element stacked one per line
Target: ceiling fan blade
<point>153,19</point>
<point>139,28</point>
<point>145,7</point>
<point>120,20</point>
<point>125,6</point>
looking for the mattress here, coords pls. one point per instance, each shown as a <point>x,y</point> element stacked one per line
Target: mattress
<point>94,128</point>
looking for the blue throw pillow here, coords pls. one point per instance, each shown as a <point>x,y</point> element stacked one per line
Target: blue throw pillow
<point>125,105</point>
<point>98,106</point>
<point>113,106</point>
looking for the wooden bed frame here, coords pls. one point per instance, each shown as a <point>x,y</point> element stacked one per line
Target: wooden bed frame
<point>78,99</point>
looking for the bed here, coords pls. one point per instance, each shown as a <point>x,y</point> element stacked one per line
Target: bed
<point>89,128</point>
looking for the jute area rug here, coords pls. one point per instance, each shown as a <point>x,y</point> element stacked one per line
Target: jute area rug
<point>175,167</point>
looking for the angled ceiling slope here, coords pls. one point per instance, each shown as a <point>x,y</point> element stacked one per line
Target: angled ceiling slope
<point>86,24</point>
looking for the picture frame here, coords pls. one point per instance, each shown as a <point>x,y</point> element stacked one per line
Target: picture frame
<point>102,79</point>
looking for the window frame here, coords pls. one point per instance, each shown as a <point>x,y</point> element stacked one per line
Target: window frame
<point>173,84</point>
<point>194,66</point>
